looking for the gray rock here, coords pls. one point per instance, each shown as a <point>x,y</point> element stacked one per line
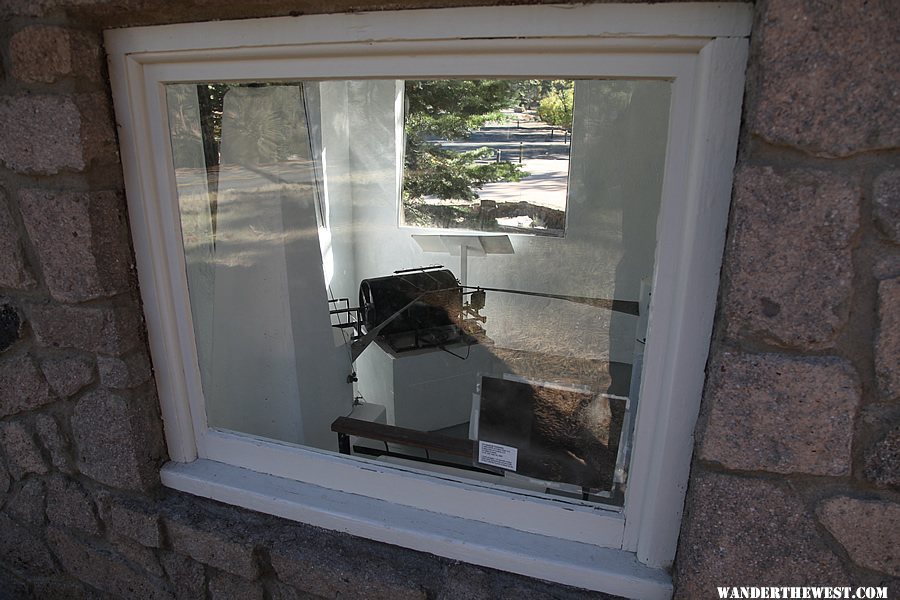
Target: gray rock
<point>102,569</point>
<point>42,134</point>
<point>779,221</point>
<point>10,326</point>
<point>27,504</point>
<point>826,76</point>
<point>868,530</point>
<point>882,460</point>
<point>22,452</point>
<point>69,506</point>
<point>738,529</point>
<point>94,329</point>
<point>225,586</point>
<point>887,204</point>
<point>123,373</point>
<point>887,343</point>
<point>187,576</point>
<point>117,440</point>
<point>67,375</point>
<point>132,520</point>
<point>14,271</point>
<point>22,550</point>
<point>140,556</point>
<point>81,240</point>
<point>782,414</point>
<point>47,54</point>
<point>214,543</point>
<point>334,567</point>
<point>55,441</point>
<point>22,387</point>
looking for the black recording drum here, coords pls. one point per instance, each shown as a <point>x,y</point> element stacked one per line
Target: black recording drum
<point>430,303</point>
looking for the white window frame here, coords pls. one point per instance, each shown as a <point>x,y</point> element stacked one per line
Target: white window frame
<point>700,48</point>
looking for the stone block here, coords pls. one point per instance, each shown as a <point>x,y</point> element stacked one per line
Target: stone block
<point>69,506</point>
<point>737,530</point>
<point>225,586</point>
<point>22,550</point>
<point>22,386</point>
<point>50,134</point>
<point>779,221</point>
<point>14,272</point>
<point>23,455</point>
<point>336,566</point>
<point>213,542</point>
<point>27,503</point>
<point>883,460</point>
<point>827,76</point>
<point>94,329</point>
<point>62,587</point>
<point>139,556</point>
<point>133,521</point>
<point>124,373</point>
<point>55,441</point>
<point>187,576</point>
<point>867,529</point>
<point>887,342</point>
<point>42,134</point>
<point>100,568</point>
<point>118,440</point>
<point>81,240</point>
<point>40,54</point>
<point>10,326</point>
<point>4,479</point>
<point>781,414</point>
<point>67,375</point>
<point>887,204</point>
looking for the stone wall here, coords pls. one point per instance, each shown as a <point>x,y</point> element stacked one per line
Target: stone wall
<point>797,460</point>
<point>796,472</point>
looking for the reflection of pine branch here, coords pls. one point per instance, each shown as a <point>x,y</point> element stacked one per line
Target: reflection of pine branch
<point>434,171</point>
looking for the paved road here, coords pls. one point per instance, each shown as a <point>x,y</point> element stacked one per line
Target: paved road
<point>544,156</point>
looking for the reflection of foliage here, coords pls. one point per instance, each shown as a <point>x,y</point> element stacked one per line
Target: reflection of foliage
<point>451,110</point>
<point>557,106</point>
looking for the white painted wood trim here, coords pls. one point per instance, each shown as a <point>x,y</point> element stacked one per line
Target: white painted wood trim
<point>497,547</point>
<point>704,20</point>
<point>455,496</point>
<point>150,251</point>
<point>696,241</point>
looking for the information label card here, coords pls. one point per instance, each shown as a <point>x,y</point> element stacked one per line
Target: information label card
<point>497,455</point>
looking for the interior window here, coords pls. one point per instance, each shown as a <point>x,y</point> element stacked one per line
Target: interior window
<point>505,346</point>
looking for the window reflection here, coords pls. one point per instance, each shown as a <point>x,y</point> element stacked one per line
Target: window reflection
<point>290,196</point>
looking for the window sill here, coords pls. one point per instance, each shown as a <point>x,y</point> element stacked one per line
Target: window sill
<point>572,563</point>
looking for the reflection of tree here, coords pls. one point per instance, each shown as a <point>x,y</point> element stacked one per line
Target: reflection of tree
<point>557,104</point>
<point>452,110</point>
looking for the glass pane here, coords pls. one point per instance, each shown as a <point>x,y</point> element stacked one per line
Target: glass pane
<point>323,299</point>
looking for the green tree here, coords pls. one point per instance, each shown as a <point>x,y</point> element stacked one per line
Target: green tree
<point>452,110</point>
<point>557,106</point>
